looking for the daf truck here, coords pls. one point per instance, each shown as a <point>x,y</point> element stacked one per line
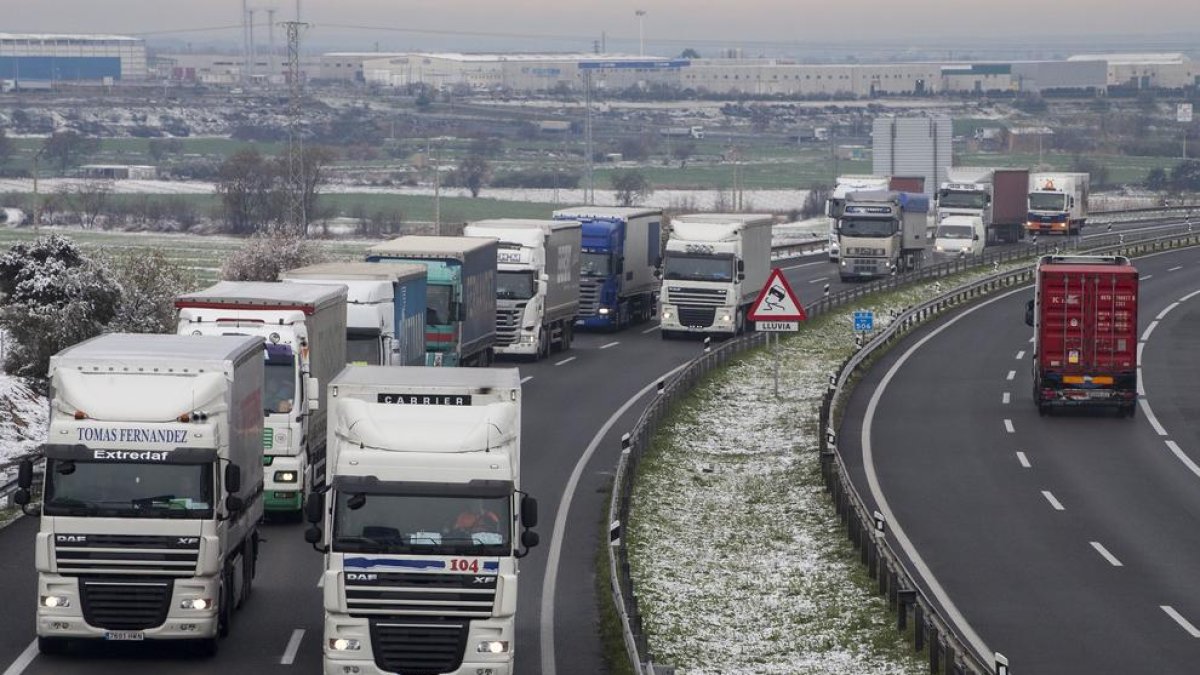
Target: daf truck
<point>385,309</point>
<point>152,489</point>
<point>622,250</point>
<point>882,233</point>
<point>460,277</point>
<point>424,523</point>
<point>304,327</point>
<point>714,268</point>
<point>1084,315</point>
<point>537,283</point>
<point>995,196</point>
<point>837,200</point>
<point>1057,203</point>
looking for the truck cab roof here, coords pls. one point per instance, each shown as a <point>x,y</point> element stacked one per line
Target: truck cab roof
<point>131,349</point>
<point>269,294</point>
<point>355,271</point>
<point>424,246</point>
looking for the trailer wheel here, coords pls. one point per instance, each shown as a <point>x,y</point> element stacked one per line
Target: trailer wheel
<point>1042,409</point>
<point>568,336</point>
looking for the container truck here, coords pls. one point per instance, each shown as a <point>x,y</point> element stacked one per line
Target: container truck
<point>837,200</point>
<point>1084,318</point>
<point>996,196</point>
<point>882,233</point>
<point>1057,203</point>
<point>537,283</point>
<point>715,266</point>
<point>460,313</point>
<point>385,309</point>
<point>152,489</point>
<point>618,268</point>
<point>425,521</point>
<point>305,331</point>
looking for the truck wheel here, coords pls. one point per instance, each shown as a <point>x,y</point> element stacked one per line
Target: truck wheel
<point>225,611</point>
<point>51,646</point>
<point>568,336</point>
<point>1042,409</point>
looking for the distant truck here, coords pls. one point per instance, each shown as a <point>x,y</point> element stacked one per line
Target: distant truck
<point>715,266</point>
<point>537,283</point>
<point>996,196</point>
<point>881,233</point>
<point>1058,202</point>
<point>460,314</point>
<point>385,309</point>
<point>1085,327</point>
<point>425,522</point>
<point>305,331</point>
<point>618,269</point>
<point>837,200</point>
<point>682,132</point>
<point>152,489</point>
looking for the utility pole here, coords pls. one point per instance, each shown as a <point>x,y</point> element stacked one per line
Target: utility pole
<point>253,50</point>
<point>273,66</point>
<point>245,41</point>
<point>641,16</point>
<point>589,196</point>
<point>296,169</point>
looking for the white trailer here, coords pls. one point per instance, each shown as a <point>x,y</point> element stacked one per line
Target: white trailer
<point>425,520</point>
<point>152,489</point>
<point>715,265</point>
<point>305,331</point>
<point>1057,202</point>
<point>537,283</point>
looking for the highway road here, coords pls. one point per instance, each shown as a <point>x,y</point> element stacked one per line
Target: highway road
<point>1064,542</point>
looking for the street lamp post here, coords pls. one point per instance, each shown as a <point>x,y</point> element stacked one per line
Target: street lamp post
<point>641,15</point>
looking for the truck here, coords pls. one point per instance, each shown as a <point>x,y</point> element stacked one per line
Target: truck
<point>305,332</point>
<point>837,200</point>
<point>385,309</point>
<point>622,250</point>
<point>882,232</point>
<point>537,283</point>
<point>460,301</point>
<point>425,521</point>
<point>682,132</point>
<point>714,268</point>
<point>1057,203</point>
<point>1085,323</point>
<point>151,489</point>
<point>996,196</point>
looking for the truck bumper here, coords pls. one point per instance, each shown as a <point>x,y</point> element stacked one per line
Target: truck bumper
<point>68,621</point>
<point>864,268</point>
<point>1087,398</point>
<point>520,348</point>
<point>698,319</point>
<point>279,496</point>
<point>363,661</point>
<point>597,322</point>
<point>1048,228</point>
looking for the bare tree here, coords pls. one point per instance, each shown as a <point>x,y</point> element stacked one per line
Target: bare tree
<point>246,184</point>
<point>631,186</point>
<point>90,199</point>
<point>68,148</point>
<point>474,172</point>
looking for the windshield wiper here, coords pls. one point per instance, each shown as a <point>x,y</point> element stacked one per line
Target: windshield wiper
<point>366,544</point>
<point>143,502</point>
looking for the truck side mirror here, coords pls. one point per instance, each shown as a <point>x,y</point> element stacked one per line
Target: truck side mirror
<point>461,313</point>
<point>529,539</point>
<point>529,511</point>
<point>313,387</point>
<point>975,236</point>
<point>25,474</point>
<point>741,265</point>
<point>741,276</point>
<point>313,535</point>
<point>234,503</point>
<point>314,507</point>
<point>233,478</point>
<point>1029,313</point>
<point>544,278</point>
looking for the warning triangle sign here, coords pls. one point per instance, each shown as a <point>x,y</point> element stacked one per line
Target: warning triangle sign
<point>776,301</point>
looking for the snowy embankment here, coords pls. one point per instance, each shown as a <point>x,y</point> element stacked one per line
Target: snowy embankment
<point>738,558</point>
<point>22,418</point>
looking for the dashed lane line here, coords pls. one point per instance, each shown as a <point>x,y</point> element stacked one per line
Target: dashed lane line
<point>526,379</point>
<point>293,646</point>
<point>23,660</point>
<point>1006,399</point>
<point>1053,500</point>
<point>1176,268</point>
<point>611,344</point>
<point>1112,559</point>
<point>566,360</point>
<point>1011,375</point>
<point>651,329</point>
<point>1020,354</point>
<point>1008,426</point>
<point>1023,460</point>
<point>1183,623</point>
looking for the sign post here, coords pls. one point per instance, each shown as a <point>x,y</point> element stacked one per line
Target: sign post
<point>777,310</point>
<point>1183,115</point>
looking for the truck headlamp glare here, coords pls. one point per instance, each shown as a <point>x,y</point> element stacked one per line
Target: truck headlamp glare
<point>55,601</point>
<point>196,603</point>
<point>344,645</point>
<point>285,476</point>
<point>493,647</point>
<point>603,311</point>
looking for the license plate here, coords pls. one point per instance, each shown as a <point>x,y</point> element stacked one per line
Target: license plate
<point>124,635</point>
<point>1099,394</point>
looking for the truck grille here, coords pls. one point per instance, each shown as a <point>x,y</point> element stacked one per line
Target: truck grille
<point>508,324</point>
<point>171,556</point>
<point>418,647</point>
<point>589,297</point>
<point>415,594</point>
<point>695,297</point>
<point>122,603</point>
<point>697,317</point>
<point>868,266</point>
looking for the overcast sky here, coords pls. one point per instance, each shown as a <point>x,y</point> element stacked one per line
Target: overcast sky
<point>669,24</point>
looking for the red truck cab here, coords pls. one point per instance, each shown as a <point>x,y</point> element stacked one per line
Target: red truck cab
<point>1084,318</point>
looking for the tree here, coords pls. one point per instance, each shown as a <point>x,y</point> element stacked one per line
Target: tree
<point>1186,175</point>
<point>6,147</point>
<point>68,148</point>
<point>149,282</point>
<point>54,297</point>
<point>474,172</point>
<point>683,152</point>
<point>814,202</point>
<point>89,200</point>
<point>1157,179</point>
<point>266,255</point>
<point>158,148</point>
<point>313,161</point>
<point>689,53</point>
<point>631,186</point>
<point>246,184</point>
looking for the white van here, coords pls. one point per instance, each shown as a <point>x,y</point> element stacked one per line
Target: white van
<point>959,236</point>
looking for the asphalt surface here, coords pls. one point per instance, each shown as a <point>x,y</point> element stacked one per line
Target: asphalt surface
<point>1066,542</point>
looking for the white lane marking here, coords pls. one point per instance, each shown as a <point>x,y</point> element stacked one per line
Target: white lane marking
<point>1008,426</point>
<point>1158,427</point>
<point>1023,460</point>
<point>550,580</point>
<point>1183,623</point>
<point>1187,461</point>
<point>817,281</point>
<point>611,344</point>
<point>651,329</point>
<point>1007,398</point>
<point>1112,559</point>
<point>526,379</point>
<point>1020,354</point>
<point>566,360</point>
<point>293,646</point>
<point>1143,278</point>
<point>1176,268</point>
<point>894,524</point>
<point>321,581</point>
<point>1031,340</point>
<point>1166,311</point>
<point>1189,296</point>
<point>23,660</point>
<point>1149,330</point>
<point>1141,348</point>
<point>1053,500</point>
<point>1011,375</point>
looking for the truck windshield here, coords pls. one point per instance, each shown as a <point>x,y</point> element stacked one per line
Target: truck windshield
<point>954,232</point>
<point>279,379</point>
<point>128,489</point>
<point>424,524</point>
<point>1047,201</point>
<point>962,200</point>
<point>362,348</point>
<point>857,227</point>
<point>437,306</point>
<point>594,264</point>
<point>683,267</point>
<point>515,285</point>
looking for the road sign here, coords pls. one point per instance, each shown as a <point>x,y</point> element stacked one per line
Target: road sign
<point>864,321</point>
<point>777,326</point>
<point>1183,113</point>
<point>776,301</point>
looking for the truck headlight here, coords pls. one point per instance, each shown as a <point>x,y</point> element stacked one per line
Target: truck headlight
<point>55,601</point>
<point>492,647</point>
<point>726,318</point>
<point>603,311</point>
<point>939,248</point>
<point>196,603</point>
<point>344,645</point>
<point>285,476</point>
<point>666,314</point>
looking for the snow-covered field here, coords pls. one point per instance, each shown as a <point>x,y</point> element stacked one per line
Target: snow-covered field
<point>23,416</point>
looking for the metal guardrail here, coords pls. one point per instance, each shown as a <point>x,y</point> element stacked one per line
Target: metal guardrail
<point>946,646</point>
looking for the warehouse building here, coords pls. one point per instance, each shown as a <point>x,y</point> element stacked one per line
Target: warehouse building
<point>1147,71</point>
<point>978,78</point>
<point>1040,76</point>
<point>348,66</point>
<point>518,72</point>
<point>71,58</point>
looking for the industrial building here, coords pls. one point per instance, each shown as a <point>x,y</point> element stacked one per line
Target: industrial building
<point>348,66</point>
<point>228,69</point>
<point>520,72</point>
<point>71,58</point>
<point>1147,71</point>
